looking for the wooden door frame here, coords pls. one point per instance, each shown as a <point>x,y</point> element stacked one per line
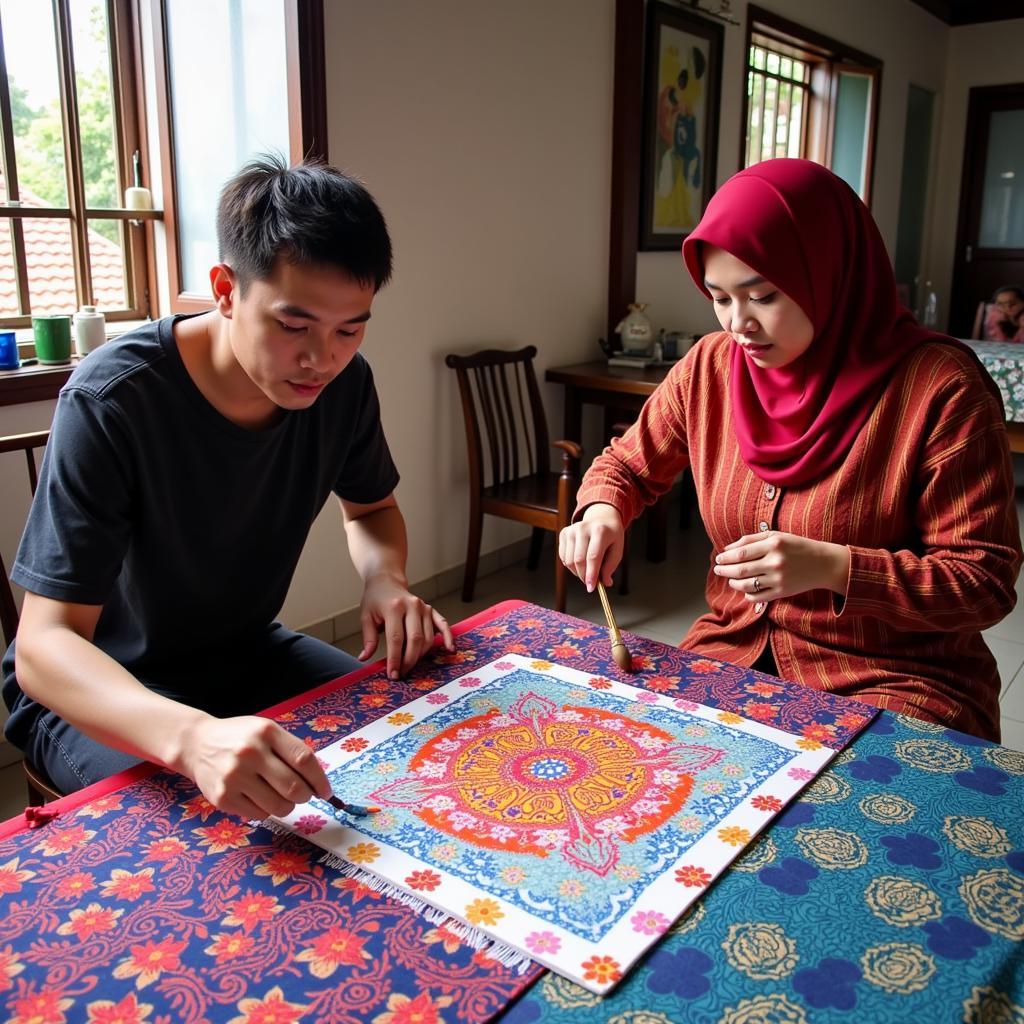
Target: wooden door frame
<point>983,100</point>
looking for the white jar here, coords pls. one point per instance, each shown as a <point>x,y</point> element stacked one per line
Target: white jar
<point>90,330</point>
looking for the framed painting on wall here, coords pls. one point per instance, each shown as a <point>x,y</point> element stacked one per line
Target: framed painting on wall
<point>682,86</point>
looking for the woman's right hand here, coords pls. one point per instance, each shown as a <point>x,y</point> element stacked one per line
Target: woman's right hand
<point>592,548</point>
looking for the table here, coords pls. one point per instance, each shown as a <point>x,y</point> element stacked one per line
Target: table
<point>894,887</point>
<point>1005,364</point>
<point>615,388</point>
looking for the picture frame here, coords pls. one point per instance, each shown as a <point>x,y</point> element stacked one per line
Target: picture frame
<point>682,99</point>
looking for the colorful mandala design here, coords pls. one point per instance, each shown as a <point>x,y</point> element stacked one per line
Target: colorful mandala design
<point>571,780</point>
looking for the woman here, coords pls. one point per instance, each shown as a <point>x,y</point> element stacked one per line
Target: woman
<point>851,467</point>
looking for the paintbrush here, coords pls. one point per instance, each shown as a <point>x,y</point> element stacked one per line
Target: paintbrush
<point>620,652</point>
<point>356,810</point>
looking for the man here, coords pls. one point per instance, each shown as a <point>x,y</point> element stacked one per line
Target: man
<point>186,464</point>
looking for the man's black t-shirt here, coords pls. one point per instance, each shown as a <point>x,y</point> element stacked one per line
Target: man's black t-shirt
<point>186,527</point>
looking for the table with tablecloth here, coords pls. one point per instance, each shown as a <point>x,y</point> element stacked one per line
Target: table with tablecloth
<point>894,888</point>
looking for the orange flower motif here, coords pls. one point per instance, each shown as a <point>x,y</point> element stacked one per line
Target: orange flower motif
<point>493,632</point>
<point>354,743</point>
<point>484,911</point>
<point>766,803</point>
<point>808,744</point>
<point>705,665</point>
<point>455,658</point>
<point>12,877</point>
<point>41,1008</point>
<point>326,723</point>
<point>356,889</point>
<point>98,807</point>
<point>517,649</point>
<point>642,662</point>
<point>564,652</point>
<point>850,720</point>
<point>129,885</point>
<point>93,920</point>
<point>76,884</point>
<point>734,836</point>
<point>450,942</point>
<point>729,718</point>
<point>403,1009</point>
<point>760,711</point>
<point>373,700</point>
<point>763,689</point>
<point>282,865</point>
<point>230,945</point>
<point>363,853</point>
<point>602,969</point>
<point>428,880</point>
<point>380,685</point>
<point>530,623</point>
<point>661,684</point>
<point>225,835</point>
<point>817,731</point>
<point>165,849</point>
<point>424,684</point>
<point>10,966</point>
<point>149,960</point>
<point>273,1008</point>
<point>253,909</point>
<point>57,841</point>
<point>541,665</point>
<point>128,1011</point>
<point>400,718</point>
<point>198,807</point>
<point>597,683</point>
<point>691,876</point>
<point>336,946</point>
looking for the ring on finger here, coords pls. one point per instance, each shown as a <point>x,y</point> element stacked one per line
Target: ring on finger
<point>757,585</point>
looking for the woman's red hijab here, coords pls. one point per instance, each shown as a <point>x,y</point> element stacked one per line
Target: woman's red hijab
<point>807,232</point>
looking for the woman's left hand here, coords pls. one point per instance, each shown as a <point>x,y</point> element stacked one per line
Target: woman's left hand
<point>767,566</point>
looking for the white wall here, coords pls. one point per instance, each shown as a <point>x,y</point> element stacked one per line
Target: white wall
<point>484,130</point>
<point>990,54</point>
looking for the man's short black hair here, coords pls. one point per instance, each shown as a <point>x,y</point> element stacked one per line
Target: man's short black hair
<point>308,214</point>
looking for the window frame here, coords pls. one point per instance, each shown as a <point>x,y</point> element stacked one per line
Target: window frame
<point>827,57</point>
<point>307,120</point>
<point>129,129</point>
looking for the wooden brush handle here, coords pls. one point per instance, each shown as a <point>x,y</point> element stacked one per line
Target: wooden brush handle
<point>612,626</point>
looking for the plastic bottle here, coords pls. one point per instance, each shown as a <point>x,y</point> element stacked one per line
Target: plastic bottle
<point>90,330</point>
<point>930,316</point>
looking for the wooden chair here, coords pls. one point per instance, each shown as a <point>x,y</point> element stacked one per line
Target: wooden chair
<point>40,788</point>
<point>978,329</point>
<point>505,421</point>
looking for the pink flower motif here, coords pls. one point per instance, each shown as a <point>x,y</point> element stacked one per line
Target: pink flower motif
<point>800,774</point>
<point>543,942</point>
<point>649,922</point>
<point>504,666</point>
<point>647,697</point>
<point>309,824</point>
<point>323,764</point>
<point>470,681</point>
<point>685,705</point>
<point>436,698</point>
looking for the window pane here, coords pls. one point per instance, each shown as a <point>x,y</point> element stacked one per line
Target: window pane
<point>754,120</point>
<point>8,282</point>
<point>106,262</point>
<point>850,143</point>
<point>796,124</point>
<point>30,48</point>
<point>800,71</point>
<point>239,45</point>
<point>759,58</point>
<point>782,122</point>
<point>786,67</point>
<point>51,273</point>
<point>773,63</point>
<point>768,129</point>
<point>1002,202</point>
<point>90,39</point>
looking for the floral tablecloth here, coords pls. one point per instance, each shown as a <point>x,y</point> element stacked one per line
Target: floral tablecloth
<point>1005,364</point>
<point>895,887</point>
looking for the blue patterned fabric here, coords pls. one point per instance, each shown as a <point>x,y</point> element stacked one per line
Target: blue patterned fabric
<point>892,891</point>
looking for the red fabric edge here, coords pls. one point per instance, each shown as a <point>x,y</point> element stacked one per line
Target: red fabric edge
<point>75,800</point>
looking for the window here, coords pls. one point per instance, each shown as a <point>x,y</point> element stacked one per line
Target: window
<point>69,140</point>
<point>809,96</point>
<point>234,78</point>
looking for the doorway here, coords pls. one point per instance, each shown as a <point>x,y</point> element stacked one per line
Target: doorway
<point>990,229</point>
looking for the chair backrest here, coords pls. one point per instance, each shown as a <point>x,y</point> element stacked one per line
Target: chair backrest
<point>503,413</point>
<point>978,330</point>
<point>27,443</point>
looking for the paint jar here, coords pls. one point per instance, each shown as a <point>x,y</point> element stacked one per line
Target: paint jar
<point>9,351</point>
<point>90,330</point>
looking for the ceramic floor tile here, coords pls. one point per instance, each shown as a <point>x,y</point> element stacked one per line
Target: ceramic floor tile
<point>1009,658</point>
<point>1011,703</point>
<point>1013,734</point>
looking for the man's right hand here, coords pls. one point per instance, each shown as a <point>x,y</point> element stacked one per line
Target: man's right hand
<point>592,548</point>
<point>250,766</point>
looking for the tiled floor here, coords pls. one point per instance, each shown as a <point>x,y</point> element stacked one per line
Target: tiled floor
<point>663,601</point>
